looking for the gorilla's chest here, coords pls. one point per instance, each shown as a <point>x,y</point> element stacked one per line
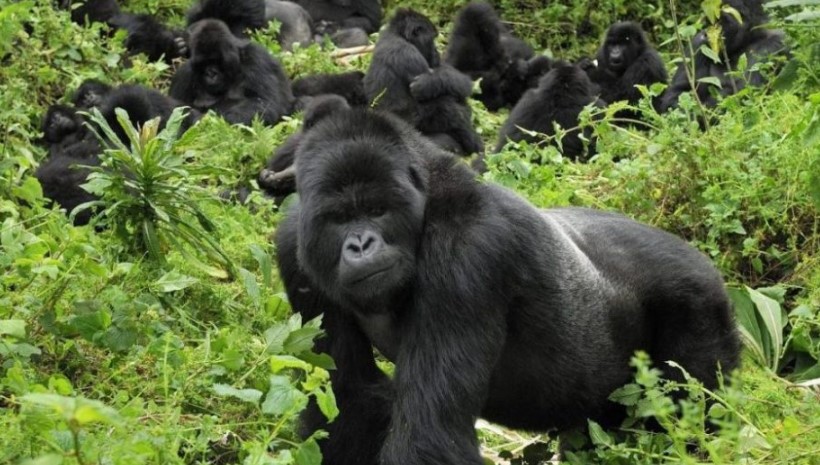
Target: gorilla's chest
<point>381,329</point>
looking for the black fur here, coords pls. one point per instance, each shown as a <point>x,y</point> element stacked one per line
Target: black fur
<point>348,22</point>
<point>296,24</point>
<point>142,104</point>
<point>750,38</point>
<point>487,306</point>
<point>95,11</point>
<point>481,47</point>
<point>406,78</point>
<point>145,33</point>
<point>65,133</point>
<point>559,98</point>
<point>70,142</point>
<point>148,36</point>
<point>348,85</point>
<point>61,178</point>
<point>625,60</point>
<point>278,179</point>
<point>90,94</point>
<point>238,15</point>
<point>234,77</point>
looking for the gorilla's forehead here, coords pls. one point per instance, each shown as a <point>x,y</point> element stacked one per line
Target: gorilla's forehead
<point>335,165</point>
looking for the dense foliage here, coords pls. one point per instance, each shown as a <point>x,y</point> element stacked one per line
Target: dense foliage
<point>167,338</point>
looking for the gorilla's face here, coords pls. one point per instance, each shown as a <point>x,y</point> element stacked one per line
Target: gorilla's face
<point>361,213</point>
<point>215,57</point>
<point>624,43</point>
<point>60,121</point>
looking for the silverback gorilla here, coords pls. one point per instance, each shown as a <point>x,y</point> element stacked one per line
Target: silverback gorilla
<point>488,306</point>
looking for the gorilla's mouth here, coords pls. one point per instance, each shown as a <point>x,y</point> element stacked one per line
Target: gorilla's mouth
<point>371,274</point>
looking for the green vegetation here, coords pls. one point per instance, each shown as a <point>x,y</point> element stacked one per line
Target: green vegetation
<point>167,338</point>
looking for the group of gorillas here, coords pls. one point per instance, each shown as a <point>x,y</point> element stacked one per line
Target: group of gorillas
<point>487,306</point>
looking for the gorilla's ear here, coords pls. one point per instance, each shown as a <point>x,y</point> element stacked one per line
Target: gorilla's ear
<point>321,107</point>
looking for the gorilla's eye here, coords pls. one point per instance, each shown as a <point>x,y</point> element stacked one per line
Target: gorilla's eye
<point>375,211</point>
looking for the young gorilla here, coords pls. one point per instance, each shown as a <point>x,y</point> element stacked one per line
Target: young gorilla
<point>481,47</point>
<point>406,78</point>
<point>559,98</point>
<point>487,306</point>
<point>749,38</point>
<point>72,145</point>
<point>625,60</point>
<point>145,34</point>
<point>234,77</point>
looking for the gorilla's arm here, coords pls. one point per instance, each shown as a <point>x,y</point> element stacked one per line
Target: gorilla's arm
<point>149,36</point>
<point>361,389</point>
<point>761,51</point>
<point>680,81</point>
<point>451,344</point>
<point>647,69</point>
<point>182,84</point>
<point>443,81</point>
<point>265,87</point>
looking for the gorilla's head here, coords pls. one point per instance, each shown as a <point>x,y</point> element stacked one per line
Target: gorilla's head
<point>417,29</point>
<point>362,199</point>
<point>215,56</point>
<point>623,44</point>
<point>60,121</point>
<point>736,34</point>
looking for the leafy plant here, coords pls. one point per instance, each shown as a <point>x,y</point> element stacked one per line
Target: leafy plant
<point>145,195</point>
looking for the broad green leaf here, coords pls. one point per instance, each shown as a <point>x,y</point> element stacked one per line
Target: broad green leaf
<point>750,331</point>
<point>15,328</point>
<point>265,265</point>
<point>627,395</point>
<point>301,339</point>
<point>248,395</point>
<point>326,401</point>
<point>174,281</point>
<point>598,435</point>
<point>280,362</point>
<point>308,453</point>
<point>251,286</point>
<point>772,316</point>
<point>92,411</point>
<point>711,80</point>
<point>283,397</point>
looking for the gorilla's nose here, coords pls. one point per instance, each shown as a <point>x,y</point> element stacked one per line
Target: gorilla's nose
<point>361,246</point>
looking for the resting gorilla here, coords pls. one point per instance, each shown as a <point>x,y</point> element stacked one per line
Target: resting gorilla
<point>234,77</point>
<point>406,78</point>
<point>481,47</point>
<point>559,98</point>
<point>749,38</point>
<point>72,144</point>
<point>145,34</point>
<point>625,60</point>
<point>241,15</point>
<point>487,306</point>
<point>348,22</point>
